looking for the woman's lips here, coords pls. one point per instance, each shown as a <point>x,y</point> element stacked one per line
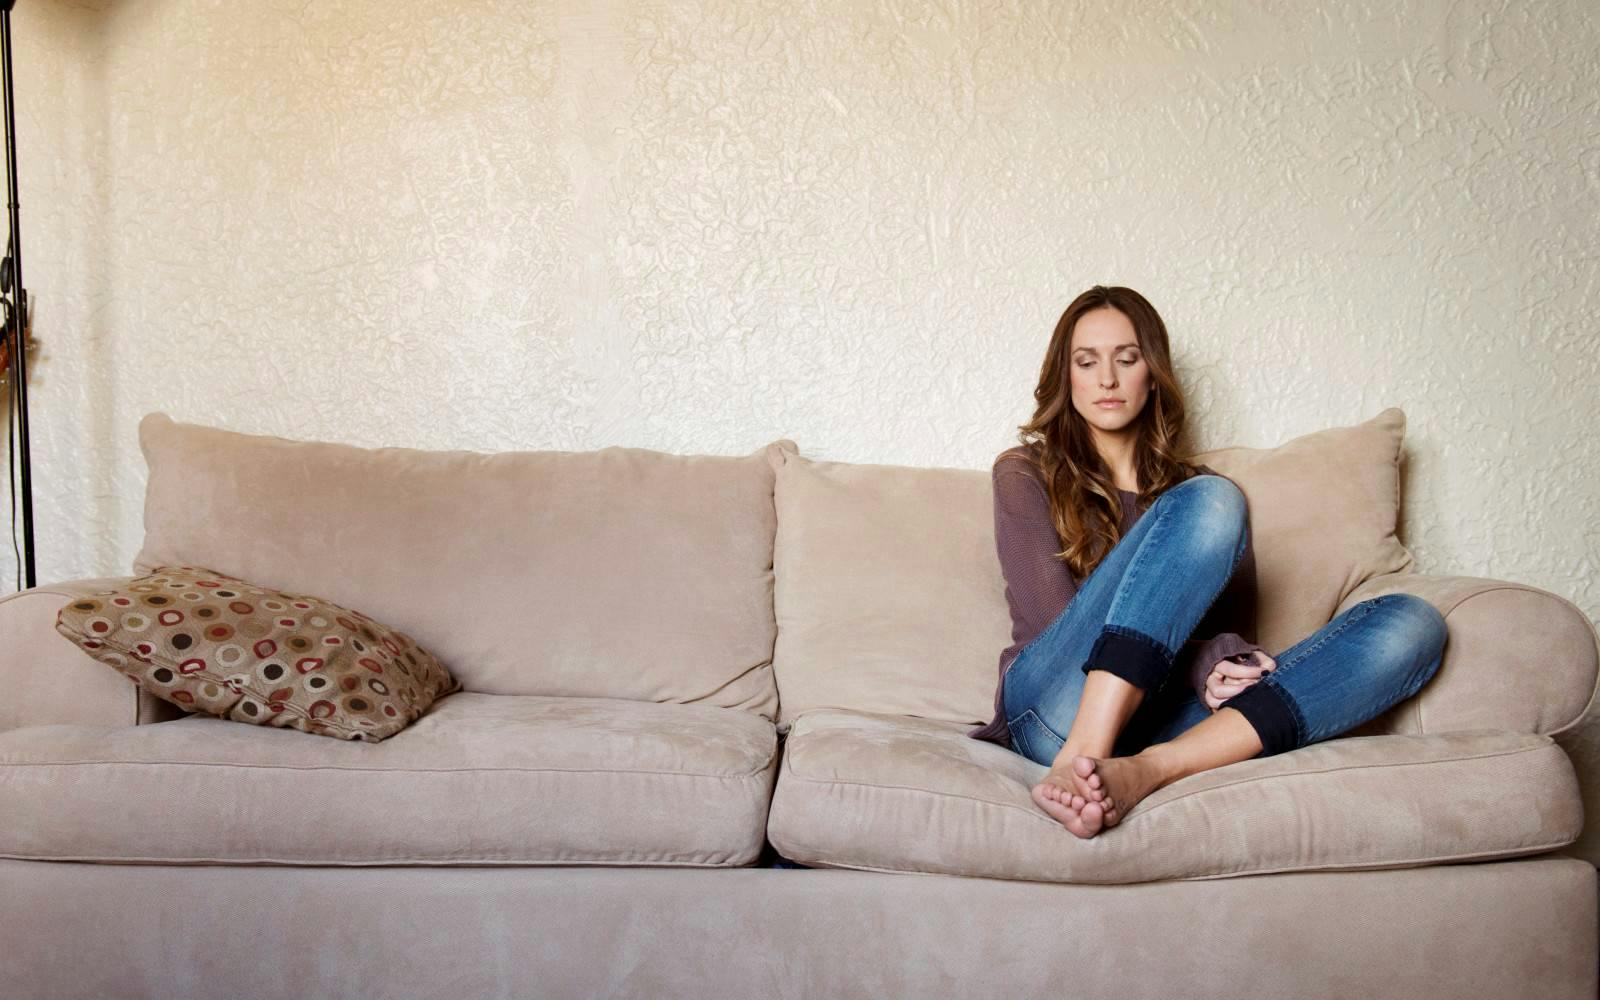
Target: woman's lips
<point>1110,404</point>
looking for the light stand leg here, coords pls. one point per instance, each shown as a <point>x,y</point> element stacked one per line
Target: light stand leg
<point>19,315</point>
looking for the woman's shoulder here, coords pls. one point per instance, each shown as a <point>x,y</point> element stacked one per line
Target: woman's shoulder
<point>1017,458</point>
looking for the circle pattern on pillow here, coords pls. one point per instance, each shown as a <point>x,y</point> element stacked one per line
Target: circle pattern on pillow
<point>212,643</point>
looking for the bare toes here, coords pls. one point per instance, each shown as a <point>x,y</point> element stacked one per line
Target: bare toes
<point>1093,819</point>
<point>1084,781</point>
<point>1058,811</point>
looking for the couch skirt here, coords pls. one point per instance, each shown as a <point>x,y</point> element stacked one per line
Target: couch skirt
<point>1521,928</point>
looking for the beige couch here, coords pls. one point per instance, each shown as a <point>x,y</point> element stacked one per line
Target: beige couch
<point>670,660</point>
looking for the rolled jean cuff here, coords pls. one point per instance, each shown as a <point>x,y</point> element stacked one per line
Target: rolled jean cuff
<point>1133,656</point>
<point>1272,714</point>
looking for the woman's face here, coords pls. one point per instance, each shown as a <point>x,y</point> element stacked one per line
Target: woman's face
<point>1107,363</point>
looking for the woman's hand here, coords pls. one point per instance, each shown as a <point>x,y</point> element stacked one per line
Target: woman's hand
<point>1228,678</point>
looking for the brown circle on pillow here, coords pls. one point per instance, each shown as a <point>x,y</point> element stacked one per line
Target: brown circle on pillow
<point>261,656</point>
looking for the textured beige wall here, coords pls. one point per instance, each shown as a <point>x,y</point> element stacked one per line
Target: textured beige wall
<point>698,226</point>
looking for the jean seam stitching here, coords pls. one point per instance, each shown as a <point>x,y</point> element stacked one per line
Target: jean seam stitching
<point>1138,636</point>
<point>1038,722</point>
<point>1271,679</point>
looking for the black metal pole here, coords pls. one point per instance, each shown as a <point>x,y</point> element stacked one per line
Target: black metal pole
<point>19,315</point>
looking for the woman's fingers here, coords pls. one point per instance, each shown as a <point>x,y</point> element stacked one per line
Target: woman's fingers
<point>1224,689</point>
<point>1239,671</point>
<point>1260,664</point>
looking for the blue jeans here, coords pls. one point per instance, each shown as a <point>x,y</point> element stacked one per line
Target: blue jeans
<point>1139,606</point>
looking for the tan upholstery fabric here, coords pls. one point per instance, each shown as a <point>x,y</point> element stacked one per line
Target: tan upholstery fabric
<point>46,679</point>
<point>876,792</point>
<point>620,573</point>
<point>1489,931</point>
<point>1323,512</point>
<point>888,593</point>
<point>1489,679</point>
<point>889,596</point>
<point>210,643</point>
<point>479,779</point>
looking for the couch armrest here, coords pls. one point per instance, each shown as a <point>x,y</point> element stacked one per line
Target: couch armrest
<point>1517,658</point>
<point>48,680</point>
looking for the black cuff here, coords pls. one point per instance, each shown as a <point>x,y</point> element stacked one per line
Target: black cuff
<point>1272,714</point>
<point>1133,656</point>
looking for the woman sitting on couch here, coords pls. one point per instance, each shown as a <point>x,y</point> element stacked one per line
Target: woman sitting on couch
<point>1102,681</point>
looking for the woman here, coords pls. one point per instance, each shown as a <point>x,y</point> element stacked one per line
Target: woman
<point>1123,563</point>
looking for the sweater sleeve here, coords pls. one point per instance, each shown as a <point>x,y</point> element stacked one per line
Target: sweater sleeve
<point>1038,585</point>
<point>1228,628</point>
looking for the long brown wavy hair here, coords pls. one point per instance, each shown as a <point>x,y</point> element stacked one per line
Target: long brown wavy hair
<point>1083,495</point>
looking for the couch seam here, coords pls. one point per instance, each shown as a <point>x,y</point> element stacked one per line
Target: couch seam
<point>1594,687</point>
<point>379,770</point>
<point>423,862</point>
<point>1384,866</point>
<point>1179,798</point>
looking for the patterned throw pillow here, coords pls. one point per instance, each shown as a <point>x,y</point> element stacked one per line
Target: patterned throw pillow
<point>211,643</point>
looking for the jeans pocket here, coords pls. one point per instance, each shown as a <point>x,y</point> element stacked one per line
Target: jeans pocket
<point>1034,740</point>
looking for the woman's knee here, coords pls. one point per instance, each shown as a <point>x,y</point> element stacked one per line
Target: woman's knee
<point>1418,629</point>
<point>1418,617</point>
<point>1215,503</point>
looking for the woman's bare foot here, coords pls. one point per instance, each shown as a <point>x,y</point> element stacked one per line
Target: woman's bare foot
<point>1066,781</point>
<point>1126,781</point>
<point>1055,795</point>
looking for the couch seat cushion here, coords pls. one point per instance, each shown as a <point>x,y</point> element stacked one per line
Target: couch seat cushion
<point>479,779</point>
<point>887,793</point>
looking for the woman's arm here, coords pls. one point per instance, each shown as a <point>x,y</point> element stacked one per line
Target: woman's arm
<point>1038,585</point>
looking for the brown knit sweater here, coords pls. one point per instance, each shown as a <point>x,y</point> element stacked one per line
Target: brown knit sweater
<point>1039,586</point>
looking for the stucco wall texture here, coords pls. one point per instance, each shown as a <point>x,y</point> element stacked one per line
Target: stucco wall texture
<point>700,226</point>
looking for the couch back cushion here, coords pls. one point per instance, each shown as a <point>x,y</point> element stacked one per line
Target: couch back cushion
<point>889,596</point>
<point>620,572</point>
